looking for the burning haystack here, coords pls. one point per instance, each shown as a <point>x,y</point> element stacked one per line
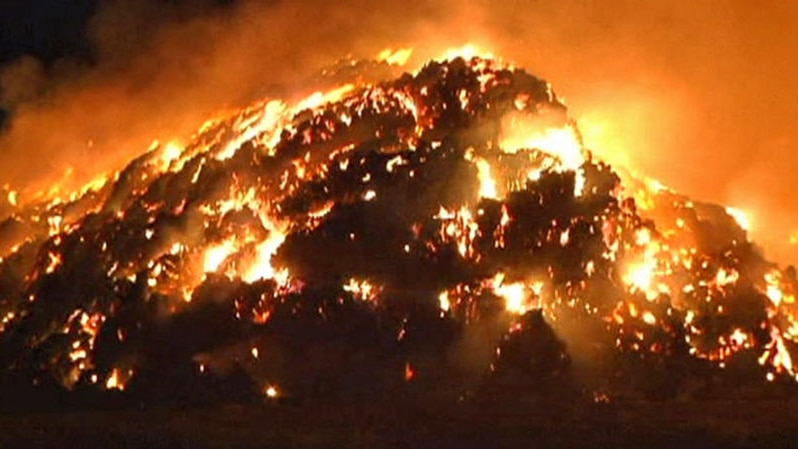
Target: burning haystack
<point>446,228</point>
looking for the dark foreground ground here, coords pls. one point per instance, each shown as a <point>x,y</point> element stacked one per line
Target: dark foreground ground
<point>406,424</point>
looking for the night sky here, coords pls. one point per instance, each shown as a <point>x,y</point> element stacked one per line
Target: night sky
<point>53,31</point>
<point>47,29</point>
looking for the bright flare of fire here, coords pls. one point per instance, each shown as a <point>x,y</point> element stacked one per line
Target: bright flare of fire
<point>518,297</point>
<point>217,254</point>
<point>561,142</point>
<point>395,57</point>
<point>467,52</point>
<point>271,391</point>
<point>741,217</point>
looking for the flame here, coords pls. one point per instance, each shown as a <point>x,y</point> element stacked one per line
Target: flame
<point>271,391</point>
<point>169,153</point>
<point>55,261</point>
<point>487,185</point>
<point>468,51</point>
<point>362,289</point>
<point>774,289</point>
<point>410,372</point>
<point>642,271</point>
<point>217,254</point>
<point>561,142</point>
<point>397,57</point>
<point>117,379</point>
<point>516,295</point>
<point>443,301</point>
<point>13,198</point>
<point>726,277</point>
<point>741,217</point>
<point>520,133</point>
<point>317,99</point>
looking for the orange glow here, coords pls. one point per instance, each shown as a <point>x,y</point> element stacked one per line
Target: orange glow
<point>520,133</point>
<point>742,218</point>
<point>271,391</point>
<point>443,301</point>
<point>562,142</point>
<point>468,51</point>
<point>516,295</point>
<point>117,380</point>
<point>262,267</point>
<point>13,198</point>
<point>410,372</point>
<point>361,289</point>
<point>395,57</point>
<point>217,254</point>
<point>487,185</point>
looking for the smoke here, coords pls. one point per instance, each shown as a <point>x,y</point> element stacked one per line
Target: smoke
<point>700,96</point>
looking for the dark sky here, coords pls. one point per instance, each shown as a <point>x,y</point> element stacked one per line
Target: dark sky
<point>47,29</point>
<point>57,31</point>
<point>700,95</point>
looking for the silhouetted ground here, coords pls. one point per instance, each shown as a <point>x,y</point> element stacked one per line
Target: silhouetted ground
<point>519,423</point>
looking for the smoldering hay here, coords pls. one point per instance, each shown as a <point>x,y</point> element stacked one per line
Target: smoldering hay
<point>443,228</point>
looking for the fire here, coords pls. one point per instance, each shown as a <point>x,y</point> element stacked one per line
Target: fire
<point>362,289</point>
<point>262,267</point>
<point>727,277</point>
<point>170,152</point>
<point>487,185</point>
<point>741,217</point>
<point>13,198</point>
<point>55,261</point>
<point>467,52</point>
<point>443,301</point>
<point>349,203</point>
<point>117,379</point>
<point>518,296</point>
<point>217,254</point>
<point>271,391</point>
<point>561,142</point>
<point>395,57</point>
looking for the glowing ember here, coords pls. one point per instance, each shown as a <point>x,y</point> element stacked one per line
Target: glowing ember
<point>271,392</point>
<point>487,185</point>
<point>117,379</point>
<point>361,289</point>
<point>410,372</point>
<point>443,301</point>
